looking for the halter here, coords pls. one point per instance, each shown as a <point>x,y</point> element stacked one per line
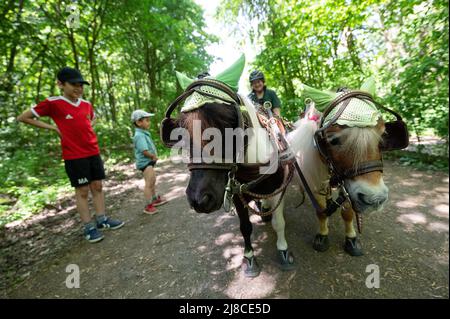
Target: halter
<point>396,137</point>
<point>233,187</point>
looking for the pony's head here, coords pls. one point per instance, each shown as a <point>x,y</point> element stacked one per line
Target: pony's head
<point>206,188</point>
<point>348,149</point>
<point>351,136</point>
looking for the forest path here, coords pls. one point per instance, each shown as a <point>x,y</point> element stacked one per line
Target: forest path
<point>178,253</point>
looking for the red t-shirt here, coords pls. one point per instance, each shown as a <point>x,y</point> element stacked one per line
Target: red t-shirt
<point>74,122</point>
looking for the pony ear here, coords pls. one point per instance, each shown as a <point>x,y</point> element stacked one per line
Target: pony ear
<point>321,98</point>
<point>233,73</point>
<point>369,86</point>
<point>311,113</point>
<point>183,80</point>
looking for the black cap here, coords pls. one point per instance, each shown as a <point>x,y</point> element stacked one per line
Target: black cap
<point>256,75</point>
<point>70,75</point>
<point>203,75</point>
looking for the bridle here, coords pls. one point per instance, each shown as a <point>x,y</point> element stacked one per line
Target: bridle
<point>233,187</point>
<point>338,176</point>
<point>397,139</point>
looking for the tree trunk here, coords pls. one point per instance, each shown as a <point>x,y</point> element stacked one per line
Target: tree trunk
<point>6,81</point>
<point>74,48</point>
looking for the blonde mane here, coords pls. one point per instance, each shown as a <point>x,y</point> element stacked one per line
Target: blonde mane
<point>358,143</point>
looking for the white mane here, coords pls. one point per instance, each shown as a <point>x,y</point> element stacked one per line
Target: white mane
<point>259,148</point>
<point>301,141</point>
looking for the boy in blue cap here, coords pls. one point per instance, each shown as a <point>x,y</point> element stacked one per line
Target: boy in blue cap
<point>146,158</point>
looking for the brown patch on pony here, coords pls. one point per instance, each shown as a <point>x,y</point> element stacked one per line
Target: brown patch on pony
<point>371,178</point>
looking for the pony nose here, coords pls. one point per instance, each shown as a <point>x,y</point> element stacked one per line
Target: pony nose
<point>205,200</point>
<point>376,200</point>
<point>204,203</point>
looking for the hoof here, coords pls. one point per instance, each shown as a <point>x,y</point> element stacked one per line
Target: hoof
<point>353,247</point>
<point>251,267</point>
<point>321,243</point>
<point>286,259</point>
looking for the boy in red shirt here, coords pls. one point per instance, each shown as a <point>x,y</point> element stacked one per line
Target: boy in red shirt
<point>73,117</point>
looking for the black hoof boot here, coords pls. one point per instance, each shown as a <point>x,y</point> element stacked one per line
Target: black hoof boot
<point>286,259</point>
<point>353,246</point>
<point>321,243</point>
<point>251,267</point>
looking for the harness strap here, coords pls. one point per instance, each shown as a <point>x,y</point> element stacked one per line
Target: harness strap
<point>283,144</point>
<point>364,168</point>
<point>282,189</point>
<point>215,166</point>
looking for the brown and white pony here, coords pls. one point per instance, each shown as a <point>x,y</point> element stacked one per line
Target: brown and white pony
<point>348,148</point>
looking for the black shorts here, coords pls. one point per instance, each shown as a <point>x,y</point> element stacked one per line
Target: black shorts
<point>82,171</point>
<point>152,163</point>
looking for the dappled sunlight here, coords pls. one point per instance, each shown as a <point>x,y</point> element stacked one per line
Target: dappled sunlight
<point>202,248</point>
<point>255,219</point>
<point>409,183</point>
<point>412,218</point>
<point>429,194</point>
<point>438,227</point>
<point>420,208</point>
<point>222,218</point>
<point>242,287</point>
<point>441,189</point>
<point>224,239</point>
<point>234,256</point>
<point>42,217</point>
<point>120,188</point>
<point>172,175</point>
<point>441,210</point>
<point>175,192</point>
<point>173,179</point>
<point>262,237</point>
<point>407,204</point>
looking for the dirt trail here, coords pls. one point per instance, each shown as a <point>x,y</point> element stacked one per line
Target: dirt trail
<point>180,254</point>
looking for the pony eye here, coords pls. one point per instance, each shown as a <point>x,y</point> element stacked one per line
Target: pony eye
<point>334,141</point>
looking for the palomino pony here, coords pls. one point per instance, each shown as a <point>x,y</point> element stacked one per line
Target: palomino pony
<point>343,150</point>
<point>211,185</point>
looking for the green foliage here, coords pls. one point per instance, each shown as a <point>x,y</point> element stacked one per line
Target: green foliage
<point>30,181</point>
<point>127,50</point>
<point>422,161</point>
<point>334,43</point>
